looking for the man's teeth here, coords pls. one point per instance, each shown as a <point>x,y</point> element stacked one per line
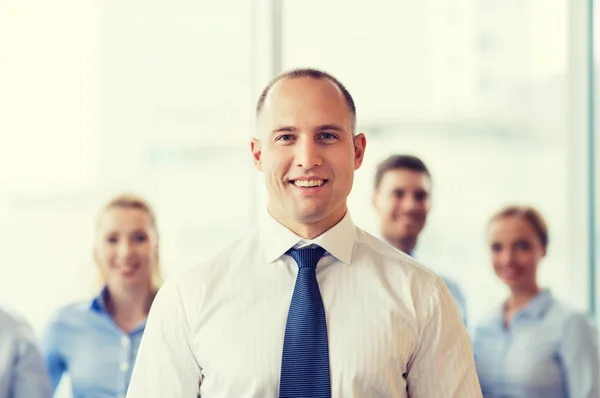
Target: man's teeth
<point>308,183</point>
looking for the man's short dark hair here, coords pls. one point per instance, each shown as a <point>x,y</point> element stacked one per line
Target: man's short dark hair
<point>400,162</point>
<point>313,74</point>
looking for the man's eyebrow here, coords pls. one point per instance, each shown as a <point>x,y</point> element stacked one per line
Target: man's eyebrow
<point>321,127</point>
<point>284,129</point>
<point>335,127</point>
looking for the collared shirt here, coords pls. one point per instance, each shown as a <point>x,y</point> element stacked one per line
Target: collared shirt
<point>84,341</point>
<point>22,370</point>
<point>548,351</point>
<point>457,294</point>
<point>217,329</point>
<point>459,297</point>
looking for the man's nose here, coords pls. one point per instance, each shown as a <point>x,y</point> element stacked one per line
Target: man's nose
<point>308,155</point>
<point>409,204</point>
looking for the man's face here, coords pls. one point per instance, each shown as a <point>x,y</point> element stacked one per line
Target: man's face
<point>402,202</point>
<point>307,151</point>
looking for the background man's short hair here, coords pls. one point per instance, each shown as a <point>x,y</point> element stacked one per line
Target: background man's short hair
<point>400,162</point>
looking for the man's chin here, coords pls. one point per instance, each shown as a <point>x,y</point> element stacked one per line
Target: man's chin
<point>311,216</point>
<point>407,231</point>
<point>315,213</point>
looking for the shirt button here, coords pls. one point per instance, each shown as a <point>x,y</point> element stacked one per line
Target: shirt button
<point>124,341</point>
<point>124,366</point>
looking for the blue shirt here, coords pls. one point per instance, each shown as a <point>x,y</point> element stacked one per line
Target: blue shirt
<point>548,351</point>
<point>22,370</point>
<point>83,340</point>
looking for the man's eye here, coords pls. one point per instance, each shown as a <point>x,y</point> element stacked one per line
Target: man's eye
<point>328,136</point>
<point>285,137</point>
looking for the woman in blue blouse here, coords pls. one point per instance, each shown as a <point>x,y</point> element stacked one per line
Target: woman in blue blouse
<point>96,341</point>
<point>532,346</point>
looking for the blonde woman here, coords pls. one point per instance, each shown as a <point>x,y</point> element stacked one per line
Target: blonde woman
<point>96,341</point>
<point>532,345</point>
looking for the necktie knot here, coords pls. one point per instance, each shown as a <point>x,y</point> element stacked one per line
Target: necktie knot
<point>307,257</point>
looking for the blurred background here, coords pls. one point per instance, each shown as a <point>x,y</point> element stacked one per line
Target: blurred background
<point>498,97</point>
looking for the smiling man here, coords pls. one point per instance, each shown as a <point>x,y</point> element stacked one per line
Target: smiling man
<point>402,199</point>
<point>307,305</point>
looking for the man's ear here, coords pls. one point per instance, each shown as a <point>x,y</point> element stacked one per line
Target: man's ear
<point>360,144</point>
<point>255,147</point>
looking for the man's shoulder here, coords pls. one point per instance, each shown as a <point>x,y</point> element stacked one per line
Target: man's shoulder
<point>13,324</point>
<point>401,271</point>
<point>403,276</point>
<point>452,284</point>
<point>388,256</point>
<point>234,253</point>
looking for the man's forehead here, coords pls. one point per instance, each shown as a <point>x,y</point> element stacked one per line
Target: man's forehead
<point>301,90</point>
<point>303,81</point>
<point>290,97</point>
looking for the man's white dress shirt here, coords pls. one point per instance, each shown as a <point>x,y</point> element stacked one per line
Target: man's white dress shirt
<point>216,330</point>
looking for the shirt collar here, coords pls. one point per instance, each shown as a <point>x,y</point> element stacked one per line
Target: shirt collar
<point>535,309</point>
<point>98,303</point>
<point>380,236</point>
<point>538,305</point>
<point>338,241</point>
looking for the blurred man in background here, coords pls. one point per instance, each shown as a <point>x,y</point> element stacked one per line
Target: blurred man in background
<point>402,199</point>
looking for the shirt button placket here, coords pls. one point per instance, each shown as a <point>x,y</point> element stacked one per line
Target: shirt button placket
<point>124,365</point>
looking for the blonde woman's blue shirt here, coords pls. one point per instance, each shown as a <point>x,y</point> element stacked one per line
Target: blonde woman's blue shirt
<point>83,341</point>
<point>548,351</point>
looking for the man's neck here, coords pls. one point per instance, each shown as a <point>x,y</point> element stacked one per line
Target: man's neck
<point>310,230</point>
<point>406,245</point>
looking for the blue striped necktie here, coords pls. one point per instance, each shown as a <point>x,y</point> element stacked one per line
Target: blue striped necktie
<point>305,361</point>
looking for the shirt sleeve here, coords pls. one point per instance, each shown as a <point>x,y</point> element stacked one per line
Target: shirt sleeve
<point>165,365</point>
<point>442,365</point>
<point>30,378</point>
<point>579,355</point>
<point>52,354</point>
